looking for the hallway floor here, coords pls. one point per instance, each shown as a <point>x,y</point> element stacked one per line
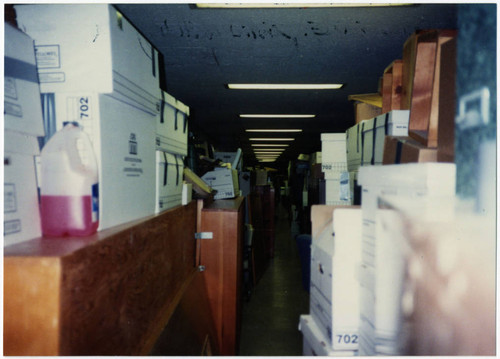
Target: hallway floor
<point>270,318</point>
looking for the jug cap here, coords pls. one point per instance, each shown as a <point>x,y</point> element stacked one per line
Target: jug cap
<point>74,123</point>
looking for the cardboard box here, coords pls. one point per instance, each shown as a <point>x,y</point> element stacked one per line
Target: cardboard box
<point>333,149</point>
<point>392,86</point>
<point>121,134</point>
<point>22,106</point>
<point>424,115</point>
<point>334,262</point>
<point>381,258</point>
<point>314,343</point>
<point>172,125</point>
<point>406,150</point>
<point>169,184</point>
<point>20,208</point>
<point>365,111</point>
<point>337,189</point>
<point>354,145</point>
<point>224,181</point>
<point>394,123</point>
<point>234,158</point>
<point>90,47</point>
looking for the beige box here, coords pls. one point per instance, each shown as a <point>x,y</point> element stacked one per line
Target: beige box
<point>122,137</point>
<point>169,175</point>
<point>172,125</point>
<point>406,150</point>
<point>22,105</point>
<point>90,47</point>
<point>20,208</point>
<point>224,181</point>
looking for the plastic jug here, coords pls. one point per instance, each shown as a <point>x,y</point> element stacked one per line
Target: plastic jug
<point>69,184</point>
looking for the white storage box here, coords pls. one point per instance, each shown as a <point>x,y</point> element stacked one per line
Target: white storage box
<point>337,190</point>
<point>224,180</point>
<point>393,123</point>
<point>333,151</point>
<point>121,135</point>
<point>381,252</point>
<point>20,208</point>
<point>354,146</point>
<point>412,179</point>
<point>90,47</point>
<point>22,106</point>
<point>234,158</point>
<point>169,175</point>
<point>334,284</point>
<point>172,125</point>
<point>314,343</point>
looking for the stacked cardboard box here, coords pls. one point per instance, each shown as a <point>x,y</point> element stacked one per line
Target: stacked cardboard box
<point>108,81</point>
<point>314,342</point>
<point>23,124</point>
<point>429,66</point>
<point>334,291</point>
<point>224,180</point>
<point>382,260</point>
<point>171,147</point>
<point>334,300</point>
<point>334,166</point>
<point>375,130</point>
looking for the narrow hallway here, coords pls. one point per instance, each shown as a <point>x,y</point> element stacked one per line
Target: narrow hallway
<point>270,317</point>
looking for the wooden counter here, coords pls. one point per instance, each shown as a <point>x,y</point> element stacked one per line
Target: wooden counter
<point>107,294</point>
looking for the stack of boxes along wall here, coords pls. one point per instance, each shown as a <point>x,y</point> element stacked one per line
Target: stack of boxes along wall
<point>111,87</point>
<point>393,157</point>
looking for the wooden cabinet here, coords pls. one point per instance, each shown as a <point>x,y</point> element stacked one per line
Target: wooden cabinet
<point>112,293</point>
<point>221,257</point>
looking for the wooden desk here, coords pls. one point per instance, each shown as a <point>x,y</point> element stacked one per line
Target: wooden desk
<point>107,294</point>
<point>222,258</point>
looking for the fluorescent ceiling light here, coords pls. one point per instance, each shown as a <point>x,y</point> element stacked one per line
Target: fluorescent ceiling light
<point>274,130</point>
<point>271,139</point>
<point>267,160</point>
<point>270,145</point>
<point>284,86</point>
<point>268,151</point>
<point>276,116</point>
<point>294,5</point>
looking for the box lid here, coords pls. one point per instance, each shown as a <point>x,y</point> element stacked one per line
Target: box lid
<point>333,136</point>
<point>432,176</point>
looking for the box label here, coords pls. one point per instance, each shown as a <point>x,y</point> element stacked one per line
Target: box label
<point>9,197</point>
<point>133,165</point>
<point>9,88</point>
<point>51,77</point>
<point>48,56</point>
<point>13,109</point>
<point>79,109</point>
<point>11,227</point>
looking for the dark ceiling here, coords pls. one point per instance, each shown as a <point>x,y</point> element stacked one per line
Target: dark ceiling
<point>204,49</point>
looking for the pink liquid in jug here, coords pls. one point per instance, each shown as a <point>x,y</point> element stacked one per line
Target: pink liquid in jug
<point>67,216</point>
